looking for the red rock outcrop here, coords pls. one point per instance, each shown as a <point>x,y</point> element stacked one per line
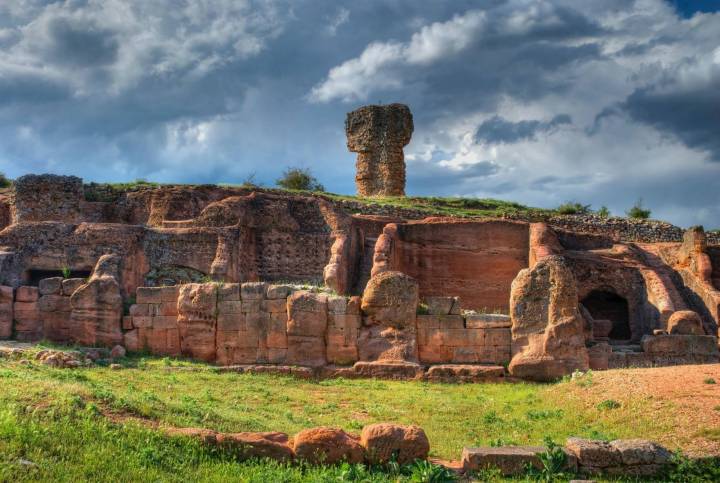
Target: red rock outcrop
<point>97,306</point>
<point>378,134</point>
<point>548,339</point>
<point>473,259</point>
<point>685,322</point>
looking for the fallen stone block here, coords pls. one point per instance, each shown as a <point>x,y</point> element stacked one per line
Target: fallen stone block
<point>327,446</point>
<point>464,373</point>
<point>383,442</point>
<point>510,460</point>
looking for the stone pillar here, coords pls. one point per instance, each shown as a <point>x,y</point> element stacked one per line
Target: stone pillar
<point>378,134</point>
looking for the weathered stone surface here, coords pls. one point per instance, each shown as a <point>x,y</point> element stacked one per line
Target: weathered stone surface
<point>50,286</point>
<point>641,452</point>
<point>440,305</point>
<point>378,133</point>
<point>6,312</point>
<point>117,352</point>
<point>382,441</point>
<point>510,460</point>
<point>27,294</point>
<point>391,299</point>
<point>388,370</point>
<point>97,306</point>
<point>307,314</point>
<point>197,305</point>
<point>547,328</point>
<point>464,373</point>
<point>685,322</point>
<point>487,321</point>
<point>69,285</point>
<point>594,454</point>
<point>387,344</point>
<point>327,446</point>
<point>680,345</point>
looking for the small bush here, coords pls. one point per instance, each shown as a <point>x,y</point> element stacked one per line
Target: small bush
<point>5,182</point>
<point>638,212</point>
<point>685,469</point>
<point>573,208</point>
<point>709,380</point>
<point>608,404</point>
<point>66,272</point>
<point>603,212</point>
<point>422,471</point>
<point>299,179</point>
<point>553,462</point>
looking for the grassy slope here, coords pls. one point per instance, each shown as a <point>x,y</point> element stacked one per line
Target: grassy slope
<point>61,419</point>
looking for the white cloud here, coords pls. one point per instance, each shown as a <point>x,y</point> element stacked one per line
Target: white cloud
<point>341,18</point>
<point>377,66</point>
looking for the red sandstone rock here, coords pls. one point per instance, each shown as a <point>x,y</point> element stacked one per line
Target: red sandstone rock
<point>97,306</point>
<point>685,322</point>
<point>547,328</point>
<point>391,299</point>
<point>384,441</point>
<point>6,312</point>
<point>27,294</point>
<point>327,446</point>
<point>50,286</point>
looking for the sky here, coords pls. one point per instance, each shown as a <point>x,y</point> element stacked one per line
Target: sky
<point>541,102</point>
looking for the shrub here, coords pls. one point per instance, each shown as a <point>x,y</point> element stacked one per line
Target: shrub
<point>299,179</point>
<point>603,212</point>
<point>573,208</point>
<point>608,404</point>
<point>638,212</point>
<point>422,471</point>
<point>553,462</point>
<point>709,380</point>
<point>5,182</point>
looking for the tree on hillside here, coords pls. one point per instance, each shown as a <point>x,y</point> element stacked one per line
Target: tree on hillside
<point>299,179</point>
<point>5,182</point>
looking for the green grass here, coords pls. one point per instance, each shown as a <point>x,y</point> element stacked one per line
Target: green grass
<point>71,423</point>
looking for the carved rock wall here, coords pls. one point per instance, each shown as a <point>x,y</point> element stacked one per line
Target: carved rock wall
<point>475,260</point>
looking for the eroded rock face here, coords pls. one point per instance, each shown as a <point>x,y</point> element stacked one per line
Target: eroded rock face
<point>378,134</point>
<point>382,441</point>
<point>389,333</point>
<point>197,320</point>
<point>547,328</point>
<point>97,306</point>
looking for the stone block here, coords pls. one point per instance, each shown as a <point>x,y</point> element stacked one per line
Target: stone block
<point>497,337</point>
<point>230,307</point>
<point>306,351</point>
<point>70,285</point>
<point>464,373</point>
<point>253,291</point>
<point>679,345</point>
<point>139,310</point>
<point>510,460</point>
<point>229,292</point>
<point>274,305</point>
<point>337,304</point>
<point>487,321</point>
<point>383,442</point>
<point>251,306</point>
<point>131,340</point>
<point>274,292</point>
<point>307,314</point>
<point>439,305</point>
<point>389,369</point>
<point>27,294</point>
<point>168,309</point>
<point>593,453</point>
<point>54,303</point>
<point>6,320</point>
<point>127,323</point>
<point>435,354</point>
<point>164,322</point>
<point>276,355</point>
<point>230,321</point>
<point>599,356</point>
<point>6,294</point>
<point>641,452</point>
<point>50,286</point>
<point>428,322</point>
<point>169,294</point>
<point>148,295</point>
<point>142,322</point>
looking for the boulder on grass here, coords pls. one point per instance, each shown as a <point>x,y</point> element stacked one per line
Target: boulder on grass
<point>327,446</point>
<point>383,441</point>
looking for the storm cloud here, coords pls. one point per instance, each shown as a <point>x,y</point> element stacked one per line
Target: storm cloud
<point>533,101</point>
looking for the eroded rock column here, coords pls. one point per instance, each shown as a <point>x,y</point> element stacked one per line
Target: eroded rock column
<point>378,134</point>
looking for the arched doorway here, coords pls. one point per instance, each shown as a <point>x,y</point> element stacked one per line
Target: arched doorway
<point>604,304</point>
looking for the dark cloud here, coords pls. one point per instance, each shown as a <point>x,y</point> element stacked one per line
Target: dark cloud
<point>497,130</point>
<point>691,113</point>
<point>80,45</point>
